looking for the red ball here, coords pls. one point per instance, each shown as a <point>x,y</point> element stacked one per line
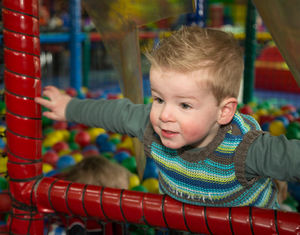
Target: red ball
<point>82,138</point>
<point>5,202</point>
<point>246,109</point>
<point>59,146</point>
<point>289,108</point>
<point>265,118</point>
<point>50,157</point>
<point>71,91</point>
<point>60,125</point>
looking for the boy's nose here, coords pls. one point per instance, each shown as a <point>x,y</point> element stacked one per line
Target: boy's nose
<point>166,114</point>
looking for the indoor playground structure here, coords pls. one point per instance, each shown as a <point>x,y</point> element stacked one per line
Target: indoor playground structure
<point>34,200</point>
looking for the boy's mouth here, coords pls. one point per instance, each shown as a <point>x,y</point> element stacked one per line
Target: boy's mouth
<point>167,133</point>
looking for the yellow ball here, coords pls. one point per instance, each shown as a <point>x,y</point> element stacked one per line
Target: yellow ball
<point>47,167</point>
<point>77,157</point>
<point>277,128</point>
<point>151,184</point>
<point>126,144</point>
<point>134,181</point>
<point>3,163</point>
<point>94,132</point>
<point>64,152</point>
<point>261,112</point>
<point>66,134</point>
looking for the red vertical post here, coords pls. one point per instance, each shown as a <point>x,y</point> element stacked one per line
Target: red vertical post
<point>23,116</point>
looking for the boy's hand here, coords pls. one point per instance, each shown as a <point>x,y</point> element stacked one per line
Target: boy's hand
<point>56,104</point>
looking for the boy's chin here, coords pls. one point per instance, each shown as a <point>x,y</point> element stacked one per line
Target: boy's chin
<point>171,145</point>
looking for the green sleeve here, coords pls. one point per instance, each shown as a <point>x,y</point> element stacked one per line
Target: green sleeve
<point>119,116</point>
<point>275,157</point>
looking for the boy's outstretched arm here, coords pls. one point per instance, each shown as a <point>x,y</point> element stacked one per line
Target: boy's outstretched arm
<point>56,104</point>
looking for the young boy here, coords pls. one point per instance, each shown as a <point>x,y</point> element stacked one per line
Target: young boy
<point>207,153</point>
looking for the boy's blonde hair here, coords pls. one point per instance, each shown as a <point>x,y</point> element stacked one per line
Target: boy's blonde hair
<point>97,170</point>
<point>192,48</point>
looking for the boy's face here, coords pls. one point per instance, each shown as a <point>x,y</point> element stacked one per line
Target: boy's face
<point>184,111</point>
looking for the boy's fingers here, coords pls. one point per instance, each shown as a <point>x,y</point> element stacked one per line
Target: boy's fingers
<point>44,102</point>
<point>49,115</point>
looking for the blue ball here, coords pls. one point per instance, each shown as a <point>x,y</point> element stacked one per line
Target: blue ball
<point>65,161</point>
<point>90,147</point>
<point>265,126</point>
<point>51,173</point>
<point>107,147</point>
<point>283,119</point>
<point>120,156</point>
<point>101,139</point>
<point>151,170</point>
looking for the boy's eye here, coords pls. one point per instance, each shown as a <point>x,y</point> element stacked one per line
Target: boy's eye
<point>158,100</point>
<point>185,106</point>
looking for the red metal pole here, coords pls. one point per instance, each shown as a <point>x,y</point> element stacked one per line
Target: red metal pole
<point>54,195</point>
<point>23,116</point>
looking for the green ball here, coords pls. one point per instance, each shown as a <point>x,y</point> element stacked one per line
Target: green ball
<point>130,164</point>
<point>72,135</point>
<point>74,146</point>
<point>293,130</point>
<point>108,155</point>
<point>46,121</point>
<point>140,188</point>
<point>3,183</point>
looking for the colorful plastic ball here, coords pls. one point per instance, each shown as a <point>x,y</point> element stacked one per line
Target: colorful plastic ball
<point>91,152</point>
<point>246,109</point>
<point>3,164</point>
<point>74,146</point>
<point>59,146</point>
<point>293,130</point>
<point>50,157</point>
<point>64,152</point>
<point>46,121</point>
<point>283,119</point>
<point>107,147</point>
<point>60,125</point>
<point>265,118</point>
<point>72,134</point>
<point>82,138</point>
<point>77,157</point>
<point>262,112</point>
<point>289,117</point>
<point>71,91</point>
<point>120,156</point>
<point>151,170</point>
<point>288,108</point>
<point>277,128</point>
<point>151,184</point>
<point>2,144</point>
<point>5,202</point>
<point>94,132</point>
<point>115,138</point>
<point>3,183</point>
<point>134,181</point>
<point>130,164</point>
<point>265,126</point>
<point>47,167</point>
<point>140,188</point>
<point>65,161</point>
<point>102,139</point>
<point>52,173</point>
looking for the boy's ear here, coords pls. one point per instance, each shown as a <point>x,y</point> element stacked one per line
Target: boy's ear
<point>227,110</point>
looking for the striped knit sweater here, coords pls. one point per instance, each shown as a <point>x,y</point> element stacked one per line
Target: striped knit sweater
<point>214,175</point>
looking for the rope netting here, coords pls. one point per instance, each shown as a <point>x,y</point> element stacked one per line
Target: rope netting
<point>36,199</point>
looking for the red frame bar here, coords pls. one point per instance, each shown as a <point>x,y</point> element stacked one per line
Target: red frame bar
<point>54,195</point>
